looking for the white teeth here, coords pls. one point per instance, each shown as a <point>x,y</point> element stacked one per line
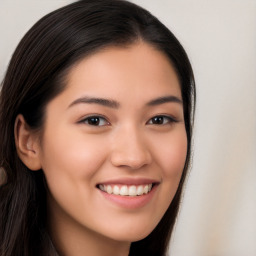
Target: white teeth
<point>140,190</point>
<point>126,190</point>
<point>116,190</point>
<point>132,191</point>
<point>145,190</point>
<point>109,189</point>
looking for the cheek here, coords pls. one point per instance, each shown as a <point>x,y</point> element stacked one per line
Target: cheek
<point>70,163</point>
<point>171,158</point>
<point>172,155</point>
<point>72,153</point>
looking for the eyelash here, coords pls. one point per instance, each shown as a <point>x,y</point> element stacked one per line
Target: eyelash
<point>94,118</point>
<point>162,118</point>
<point>98,120</point>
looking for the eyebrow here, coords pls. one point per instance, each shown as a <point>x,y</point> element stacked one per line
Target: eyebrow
<point>163,100</point>
<point>99,101</point>
<point>114,104</point>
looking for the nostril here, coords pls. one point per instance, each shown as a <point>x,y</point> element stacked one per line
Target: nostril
<point>133,160</point>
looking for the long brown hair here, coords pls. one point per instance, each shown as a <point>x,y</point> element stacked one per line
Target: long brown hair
<point>36,74</point>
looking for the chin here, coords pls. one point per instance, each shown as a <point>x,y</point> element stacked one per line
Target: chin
<point>134,234</point>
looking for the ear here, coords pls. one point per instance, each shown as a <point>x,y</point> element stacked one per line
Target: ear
<point>27,144</point>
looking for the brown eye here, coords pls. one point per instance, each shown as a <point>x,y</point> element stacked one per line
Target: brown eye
<point>158,120</point>
<point>161,120</point>
<point>95,121</point>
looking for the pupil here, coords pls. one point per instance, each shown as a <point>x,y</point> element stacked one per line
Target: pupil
<point>94,121</point>
<point>158,120</point>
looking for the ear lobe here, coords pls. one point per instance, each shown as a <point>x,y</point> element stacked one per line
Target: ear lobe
<point>27,144</point>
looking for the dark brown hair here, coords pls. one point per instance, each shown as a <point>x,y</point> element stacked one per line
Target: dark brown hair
<point>36,74</point>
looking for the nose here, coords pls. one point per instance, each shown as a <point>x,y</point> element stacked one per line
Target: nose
<point>130,149</point>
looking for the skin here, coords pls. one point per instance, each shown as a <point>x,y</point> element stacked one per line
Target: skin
<point>76,156</point>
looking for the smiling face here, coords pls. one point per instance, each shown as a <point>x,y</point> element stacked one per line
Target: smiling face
<point>114,146</point>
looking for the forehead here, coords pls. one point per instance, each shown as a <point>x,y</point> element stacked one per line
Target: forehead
<point>133,74</point>
<point>136,67</point>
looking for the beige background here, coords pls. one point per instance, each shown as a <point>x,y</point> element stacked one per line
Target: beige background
<point>218,216</point>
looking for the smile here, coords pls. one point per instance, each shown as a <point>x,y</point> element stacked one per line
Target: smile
<point>126,190</point>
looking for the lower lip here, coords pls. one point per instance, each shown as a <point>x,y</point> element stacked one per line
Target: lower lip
<point>130,202</point>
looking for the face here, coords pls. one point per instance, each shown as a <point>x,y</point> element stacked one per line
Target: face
<point>114,143</point>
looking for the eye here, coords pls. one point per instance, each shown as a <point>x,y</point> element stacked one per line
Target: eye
<point>95,121</point>
<point>161,120</point>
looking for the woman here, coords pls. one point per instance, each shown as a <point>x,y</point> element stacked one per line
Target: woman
<point>96,115</point>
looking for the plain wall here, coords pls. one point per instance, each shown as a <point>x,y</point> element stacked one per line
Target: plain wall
<point>217,217</point>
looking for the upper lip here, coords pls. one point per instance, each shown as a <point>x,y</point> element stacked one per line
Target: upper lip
<point>130,181</point>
